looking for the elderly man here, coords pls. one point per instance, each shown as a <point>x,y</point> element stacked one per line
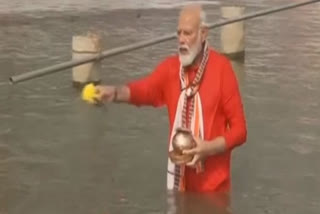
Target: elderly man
<point>200,90</point>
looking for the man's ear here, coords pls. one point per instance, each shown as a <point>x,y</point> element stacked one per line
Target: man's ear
<point>204,33</point>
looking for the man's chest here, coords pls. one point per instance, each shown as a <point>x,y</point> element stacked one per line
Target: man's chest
<point>209,89</point>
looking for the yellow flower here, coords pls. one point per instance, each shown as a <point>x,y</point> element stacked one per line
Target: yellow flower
<point>89,94</point>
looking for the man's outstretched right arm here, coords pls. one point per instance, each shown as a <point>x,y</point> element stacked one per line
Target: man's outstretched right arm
<point>148,90</point>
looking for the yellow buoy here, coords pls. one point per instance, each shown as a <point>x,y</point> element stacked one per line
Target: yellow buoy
<point>89,94</point>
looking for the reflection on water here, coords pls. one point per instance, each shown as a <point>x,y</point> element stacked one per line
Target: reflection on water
<point>190,203</point>
<point>60,155</point>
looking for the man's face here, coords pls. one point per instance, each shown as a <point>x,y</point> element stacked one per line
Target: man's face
<point>190,37</point>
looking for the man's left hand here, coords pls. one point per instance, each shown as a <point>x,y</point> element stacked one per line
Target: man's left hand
<point>200,152</point>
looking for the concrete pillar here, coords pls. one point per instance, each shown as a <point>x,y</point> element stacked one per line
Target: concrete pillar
<point>239,69</point>
<point>84,46</point>
<point>232,35</point>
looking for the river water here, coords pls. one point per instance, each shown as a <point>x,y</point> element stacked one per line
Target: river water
<point>60,155</point>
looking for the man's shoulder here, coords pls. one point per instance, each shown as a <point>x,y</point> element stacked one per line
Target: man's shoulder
<point>218,57</point>
<point>166,64</point>
<point>170,60</point>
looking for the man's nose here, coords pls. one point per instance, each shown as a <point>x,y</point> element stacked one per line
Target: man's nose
<point>182,40</point>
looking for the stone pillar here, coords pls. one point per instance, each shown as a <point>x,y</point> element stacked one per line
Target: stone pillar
<point>232,35</point>
<point>84,46</point>
<point>239,69</point>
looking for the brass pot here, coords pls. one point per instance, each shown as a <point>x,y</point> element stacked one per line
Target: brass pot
<point>182,140</point>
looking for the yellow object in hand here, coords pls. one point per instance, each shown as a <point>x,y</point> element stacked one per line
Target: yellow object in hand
<point>89,94</point>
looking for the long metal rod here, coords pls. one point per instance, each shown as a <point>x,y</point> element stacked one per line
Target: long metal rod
<point>119,50</point>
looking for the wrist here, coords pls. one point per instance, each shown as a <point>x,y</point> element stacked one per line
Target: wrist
<point>120,94</point>
<point>208,148</point>
<point>217,146</point>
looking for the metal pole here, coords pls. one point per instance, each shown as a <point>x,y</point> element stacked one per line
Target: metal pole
<point>116,51</point>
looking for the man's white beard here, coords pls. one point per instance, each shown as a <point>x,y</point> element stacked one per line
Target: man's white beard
<point>187,59</point>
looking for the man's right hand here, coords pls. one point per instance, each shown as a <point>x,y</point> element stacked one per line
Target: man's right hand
<point>108,93</point>
<point>105,93</point>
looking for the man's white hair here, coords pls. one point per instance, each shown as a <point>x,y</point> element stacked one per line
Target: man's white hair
<point>203,15</point>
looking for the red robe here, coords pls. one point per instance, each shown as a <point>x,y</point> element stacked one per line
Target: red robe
<point>223,113</point>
